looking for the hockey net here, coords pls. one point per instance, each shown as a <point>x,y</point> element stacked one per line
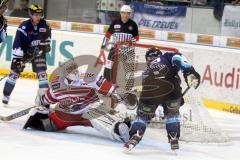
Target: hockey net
<point>197,125</point>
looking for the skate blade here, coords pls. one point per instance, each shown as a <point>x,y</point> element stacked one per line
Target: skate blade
<point>128,149</point>
<point>175,151</point>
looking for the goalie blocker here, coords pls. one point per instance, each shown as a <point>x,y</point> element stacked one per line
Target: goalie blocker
<point>77,103</point>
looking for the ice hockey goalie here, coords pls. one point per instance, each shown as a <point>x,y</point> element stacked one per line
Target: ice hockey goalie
<point>79,102</point>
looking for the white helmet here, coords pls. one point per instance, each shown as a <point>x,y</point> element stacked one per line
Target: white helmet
<point>126,8</point>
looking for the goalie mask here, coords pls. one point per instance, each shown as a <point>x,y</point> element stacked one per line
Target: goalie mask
<point>152,54</point>
<point>72,77</point>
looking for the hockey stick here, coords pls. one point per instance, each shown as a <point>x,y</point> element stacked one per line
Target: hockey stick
<point>26,111</point>
<point>16,115</point>
<point>185,91</point>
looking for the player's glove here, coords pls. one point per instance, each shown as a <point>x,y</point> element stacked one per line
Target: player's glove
<point>33,52</point>
<point>18,64</point>
<point>44,46</point>
<point>39,102</point>
<point>192,78</point>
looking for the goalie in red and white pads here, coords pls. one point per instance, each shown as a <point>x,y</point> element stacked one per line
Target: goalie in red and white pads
<point>78,103</point>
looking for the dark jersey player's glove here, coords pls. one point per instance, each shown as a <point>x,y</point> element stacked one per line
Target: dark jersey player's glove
<point>44,46</point>
<point>192,78</point>
<point>18,64</point>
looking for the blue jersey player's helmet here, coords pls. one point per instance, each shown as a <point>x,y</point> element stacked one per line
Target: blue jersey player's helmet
<point>35,9</point>
<point>152,54</point>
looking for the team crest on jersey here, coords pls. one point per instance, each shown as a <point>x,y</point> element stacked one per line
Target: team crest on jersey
<point>130,28</point>
<point>117,26</point>
<point>42,30</point>
<point>56,86</point>
<point>23,27</point>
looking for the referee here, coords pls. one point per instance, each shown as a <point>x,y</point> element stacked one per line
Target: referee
<point>123,29</point>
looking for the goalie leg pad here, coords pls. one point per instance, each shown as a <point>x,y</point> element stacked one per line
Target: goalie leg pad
<point>122,130</point>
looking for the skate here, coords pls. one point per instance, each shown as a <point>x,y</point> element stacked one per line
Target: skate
<point>136,138</point>
<point>173,140</point>
<point>5,100</point>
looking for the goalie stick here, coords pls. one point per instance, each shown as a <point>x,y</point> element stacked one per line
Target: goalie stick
<point>16,115</point>
<point>185,91</point>
<point>26,111</point>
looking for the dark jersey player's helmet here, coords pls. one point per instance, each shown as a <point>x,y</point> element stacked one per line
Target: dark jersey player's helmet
<point>152,54</point>
<point>35,9</point>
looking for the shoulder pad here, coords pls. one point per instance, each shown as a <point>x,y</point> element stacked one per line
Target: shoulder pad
<point>24,24</point>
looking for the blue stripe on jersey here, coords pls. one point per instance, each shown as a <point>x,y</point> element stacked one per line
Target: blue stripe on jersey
<point>179,61</point>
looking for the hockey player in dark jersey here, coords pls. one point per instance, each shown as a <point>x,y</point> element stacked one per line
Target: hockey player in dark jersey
<point>31,42</point>
<point>3,21</point>
<point>123,29</point>
<point>161,86</point>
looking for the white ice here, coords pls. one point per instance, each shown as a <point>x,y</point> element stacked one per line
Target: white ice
<point>78,143</point>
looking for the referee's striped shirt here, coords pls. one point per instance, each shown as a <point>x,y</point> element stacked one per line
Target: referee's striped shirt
<point>122,32</point>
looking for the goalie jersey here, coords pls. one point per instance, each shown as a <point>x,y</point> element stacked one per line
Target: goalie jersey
<point>75,98</point>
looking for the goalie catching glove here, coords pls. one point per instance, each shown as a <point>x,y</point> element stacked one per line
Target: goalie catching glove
<point>128,98</point>
<point>192,78</point>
